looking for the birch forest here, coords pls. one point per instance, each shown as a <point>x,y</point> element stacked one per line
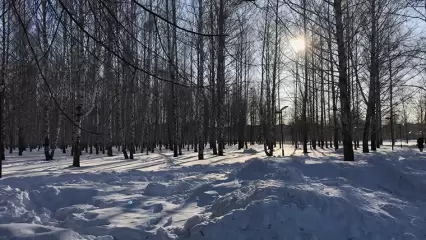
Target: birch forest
<point>89,76</point>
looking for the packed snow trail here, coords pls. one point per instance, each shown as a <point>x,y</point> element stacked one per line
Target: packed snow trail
<point>239,196</point>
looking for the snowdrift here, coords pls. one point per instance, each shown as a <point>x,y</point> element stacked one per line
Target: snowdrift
<point>255,169</point>
<point>378,197</point>
<point>36,232</point>
<point>278,201</point>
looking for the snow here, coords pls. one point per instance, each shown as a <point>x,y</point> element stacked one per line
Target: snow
<point>250,151</point>
<point>23,231</point>
<point>242,195</point>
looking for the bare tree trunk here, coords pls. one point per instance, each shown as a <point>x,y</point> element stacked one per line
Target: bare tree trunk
<point>314,105</point>
<point>305,95</point>
<point>132,86</point>
<point>391,117</point>
<point>98,127</point>
<point>246,97</point>
<point>110,108</point>
<point>122,114</point>
<point>2,87</point>
<point>200,92</point>
<point>264,104</point>
<point>349,78</point>
<point>221,76</point>
<point>109,76</point>
<point>46,109</point>
<point>329,105</point>
<point>371,105</point>
<point>213,120</point>
<point>378,131</point>
<point>354,59</point>
<point>343,85</point>
<point>273,109</point>
<point>177,148</point>
<point>64,74</point>
<point>57,135</point>
<point>80,78</point>
<point>333,89</point>
<point>322,95</point>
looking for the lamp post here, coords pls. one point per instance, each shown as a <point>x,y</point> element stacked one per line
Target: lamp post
<point>407,136</point>
<point>392,137</point>
<point>280,112</point>
<point>400,132</point>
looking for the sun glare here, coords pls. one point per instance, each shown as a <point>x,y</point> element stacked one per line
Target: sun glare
<point>298,44</point>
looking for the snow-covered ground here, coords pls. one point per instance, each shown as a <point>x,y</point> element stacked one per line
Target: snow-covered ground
<point>239,196</point>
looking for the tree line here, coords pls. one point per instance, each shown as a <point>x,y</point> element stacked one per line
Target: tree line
<point>151,74</point>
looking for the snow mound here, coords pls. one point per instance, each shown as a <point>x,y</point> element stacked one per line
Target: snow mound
<point>54,198</point>
<point>390,176</point>
<point>62,213</point>
<point>316,204</point>
<point>163,234</point>
<point>193,221</point>
<point>157,189</point>
<point>241,198</point>
<point>16,206</point>
<point>255,168</point>
<point>271,211</point>
<point>288,174</point>
<point>268,169</point>
<point>250,151</point>
<point>160,189</point>
<point>44,206</point>
<point>22,231</point>
<point>87,219</point>
<point>107,237</point>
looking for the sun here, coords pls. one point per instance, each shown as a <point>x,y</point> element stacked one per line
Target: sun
<point>298,44</point>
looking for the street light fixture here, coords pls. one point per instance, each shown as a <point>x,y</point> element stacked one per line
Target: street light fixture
<point>280,112</point>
